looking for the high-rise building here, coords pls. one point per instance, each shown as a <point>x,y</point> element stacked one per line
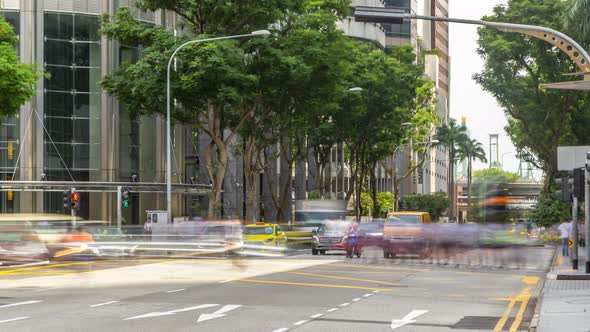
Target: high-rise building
<point>71,129</point>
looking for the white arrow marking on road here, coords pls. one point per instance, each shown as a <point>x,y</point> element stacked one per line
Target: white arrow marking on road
<point>19,303</point>
<point>172,312</point>
<point>13,319</point>
<point>408,319</point>
<point>219,313</point>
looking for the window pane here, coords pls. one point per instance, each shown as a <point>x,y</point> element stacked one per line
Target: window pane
<point>13,19</point>
<point>52,157</point>
<point>81,105</point>
<point>86,28</point>
<point>81,131</point>
<point>58,52</point>
<point>82,79</point>
<point>61,78</point>
<point>81,155</point>
<point>58,104</point>
<point>60,130</point>
<point>82,54</point>
<point>58,26</point>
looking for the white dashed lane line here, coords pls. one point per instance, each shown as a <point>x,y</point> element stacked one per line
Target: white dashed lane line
<point>356,300</point>
<point>19,303</point>
<point>301,322</point>
<point>345,304</point>
<point>316,316</point>
<point>13,319</point>
<point>175,290</point>
<point>101,304</point>
<point>281,330</point>
<point>332,310</point>
<point>367,295</point>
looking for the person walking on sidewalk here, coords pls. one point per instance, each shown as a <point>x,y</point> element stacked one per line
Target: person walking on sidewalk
<point>565,228</point>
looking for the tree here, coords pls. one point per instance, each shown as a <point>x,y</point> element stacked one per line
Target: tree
<point>488,181</point>
<point>451,136</point>
<point>471,150</point>
<point>17,79</point>
<point>435,204</point>
<point>576,20</point>
<point>515,66</point>
<point>550,210</point>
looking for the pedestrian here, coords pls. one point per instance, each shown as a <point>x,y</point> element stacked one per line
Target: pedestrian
<point>147,226</point>
<point>565,229</point>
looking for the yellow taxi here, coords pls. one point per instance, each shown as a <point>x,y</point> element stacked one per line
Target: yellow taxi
<point>263,234</point>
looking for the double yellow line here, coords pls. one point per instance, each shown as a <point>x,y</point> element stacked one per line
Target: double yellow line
<point>523,297</point>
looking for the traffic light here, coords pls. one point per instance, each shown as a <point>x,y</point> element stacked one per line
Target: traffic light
<point>75,200</point>
<point>564,188</point>
<point>67,200</point>
<point>125,198</point>
<point>579,178</point>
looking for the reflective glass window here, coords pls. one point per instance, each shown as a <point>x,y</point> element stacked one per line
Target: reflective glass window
<point>59,26</point>
<point>81,105</point>
<point>60,129</point>
<point>60,78</point>
<point>86,28</point>
<point>81,131</point>
<point>82,155</point>
<point>58,103</point>
<point>58,52</point>
<point>82,79</point>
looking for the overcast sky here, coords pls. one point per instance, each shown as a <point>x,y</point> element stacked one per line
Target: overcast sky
<point>484,115</point>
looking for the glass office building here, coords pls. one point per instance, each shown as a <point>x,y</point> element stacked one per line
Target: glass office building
<point>72,130</point>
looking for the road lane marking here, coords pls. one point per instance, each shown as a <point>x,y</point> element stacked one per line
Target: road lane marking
<point>343,278</point>
<point>171,312</point>
<point>379,267</point>
<point>19,303</point>
<point>367,295</point>
<point>219,313</point>
<point>101,304</point>
<point>224,281</point>
<point>43,267</point>
<point>316,316</point>
<point>376,291</point>
<point>313,285</point>
<point>13,319</point>
<point>176,290</point>
<point>345,304</point>
<point>500,324</point>
<point>524,298</point>
<point>356,300</point>
<point>299,323</point>
<point>45,289</point>
<point>332,310</point>
<point>281,330</point>
<point>408,319</point>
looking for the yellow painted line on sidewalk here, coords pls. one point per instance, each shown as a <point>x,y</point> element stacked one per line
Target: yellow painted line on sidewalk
<point>559,260</point>
<point>344,278</point>
<point>379,267</point>
<point>307,284</point>
<point>500,325</point>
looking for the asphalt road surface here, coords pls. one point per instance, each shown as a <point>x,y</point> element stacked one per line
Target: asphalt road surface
<point>299,292</point>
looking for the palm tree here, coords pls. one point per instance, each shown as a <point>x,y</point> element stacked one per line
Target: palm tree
<point>577,20</point>
<point>471,150</point>
<point>450,135</point>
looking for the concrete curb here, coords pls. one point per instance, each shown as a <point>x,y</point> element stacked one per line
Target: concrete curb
<point>535,320</point>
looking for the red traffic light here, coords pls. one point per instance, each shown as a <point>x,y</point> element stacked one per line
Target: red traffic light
<point>75,197</point>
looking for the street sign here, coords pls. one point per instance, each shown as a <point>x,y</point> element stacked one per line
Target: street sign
<point>570,157</point>
<point>571,243</point>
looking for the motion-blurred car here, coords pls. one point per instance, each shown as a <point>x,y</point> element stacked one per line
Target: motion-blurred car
<point>329,236</point>
<point>18,246</point>
<point>407,233</point>
<point>371,233</point>
<point>263,234</point>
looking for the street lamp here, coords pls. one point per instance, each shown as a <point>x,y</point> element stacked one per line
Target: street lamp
<point>257,33</point>
<point>355,89</point>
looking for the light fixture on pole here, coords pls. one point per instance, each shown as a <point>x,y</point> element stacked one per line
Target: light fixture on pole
<point>355,89</point>
<point>257,33</point>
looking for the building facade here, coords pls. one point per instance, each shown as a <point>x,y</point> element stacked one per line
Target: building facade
<point>72,130</point>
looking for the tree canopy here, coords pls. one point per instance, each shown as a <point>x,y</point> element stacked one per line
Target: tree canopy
<point>17,79</point>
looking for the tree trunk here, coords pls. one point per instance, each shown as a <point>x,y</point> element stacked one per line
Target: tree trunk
<point>395,182</point>
<point>251,175</point>
<point>374,192</point>
<point>469,179</point>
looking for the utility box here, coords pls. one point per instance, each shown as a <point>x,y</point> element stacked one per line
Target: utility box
<point>157,216</point>
<point>160,224</point>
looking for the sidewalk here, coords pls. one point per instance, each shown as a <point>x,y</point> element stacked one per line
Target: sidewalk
<point>565,299</point>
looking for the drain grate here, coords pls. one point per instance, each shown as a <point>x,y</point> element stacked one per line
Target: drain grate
<point>479,323</point>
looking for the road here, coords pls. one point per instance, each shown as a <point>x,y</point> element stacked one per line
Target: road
<point>299,292</point>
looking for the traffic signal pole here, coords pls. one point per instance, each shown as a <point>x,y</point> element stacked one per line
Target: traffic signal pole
<point>587,210</point>
<point>575,233</point>
<point>119,203</point>
<point>73,211</point>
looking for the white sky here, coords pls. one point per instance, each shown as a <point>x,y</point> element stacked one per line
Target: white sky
<point>484,115</point>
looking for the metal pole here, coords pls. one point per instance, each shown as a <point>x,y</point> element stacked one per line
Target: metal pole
<point>119,212</point>
<point>575,233</point>
<point>587,210</point>
<point>72,210</point>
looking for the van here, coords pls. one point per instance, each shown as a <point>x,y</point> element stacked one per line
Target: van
<point>407,232</point>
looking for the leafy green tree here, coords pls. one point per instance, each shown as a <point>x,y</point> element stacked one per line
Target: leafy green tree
<point>494,175</point>
<point>17,79</point>
<point>435,204</point>
<point>471,150</point>
<point>550,210</point>
<point>451,136</point>
<point>515,66</point>
<point>577,20</point>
